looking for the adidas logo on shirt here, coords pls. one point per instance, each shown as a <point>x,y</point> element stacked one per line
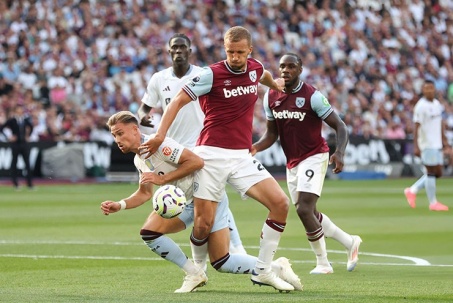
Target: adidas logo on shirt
<point>167,89</point>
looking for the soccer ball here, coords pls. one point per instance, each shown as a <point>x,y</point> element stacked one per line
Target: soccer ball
<point>169,201</point>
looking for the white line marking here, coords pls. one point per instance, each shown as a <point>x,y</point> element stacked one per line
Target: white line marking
<point>37,257</point>
<point>416,261</point>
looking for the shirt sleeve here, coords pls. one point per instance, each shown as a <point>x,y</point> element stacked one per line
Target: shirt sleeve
<point>200,84</point>
<point>151,96</point>
<point>170,150</point>
<point>140,165</point>
<point>320,105</point>
<point>267,109</point>
<point>418,114</point>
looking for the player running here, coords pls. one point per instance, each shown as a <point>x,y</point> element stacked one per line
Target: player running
<point>296,116</point>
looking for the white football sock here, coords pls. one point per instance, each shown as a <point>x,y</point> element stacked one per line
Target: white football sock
<point>333,231</point>
<point>319,248</point>
<point>199,251</point>
<point>270,237</point>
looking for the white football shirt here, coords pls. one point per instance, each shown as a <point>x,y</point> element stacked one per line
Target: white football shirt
<point>161,89</point>
<point>163,161</point>
<point>429,116</point>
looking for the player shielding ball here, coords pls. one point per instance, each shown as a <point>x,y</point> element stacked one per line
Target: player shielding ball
<point>227,92</point>
<point>174,164</point>
<point>186,128</point>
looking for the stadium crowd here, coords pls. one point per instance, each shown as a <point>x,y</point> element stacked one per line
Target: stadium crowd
<point>73,63</point>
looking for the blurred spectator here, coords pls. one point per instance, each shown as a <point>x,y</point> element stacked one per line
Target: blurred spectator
<point>27,78</point>
<point>394,130</point>
<point>5,87</point>
<point>58,85</point>
<point>101,132</point>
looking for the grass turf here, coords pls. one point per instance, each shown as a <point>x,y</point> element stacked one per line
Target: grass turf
<point>56,246</point>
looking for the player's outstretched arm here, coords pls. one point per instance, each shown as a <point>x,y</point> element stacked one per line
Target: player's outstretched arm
<point>139,197</point>
<point>150,147</point>
<point>268,80</point>
<point>268,138</point>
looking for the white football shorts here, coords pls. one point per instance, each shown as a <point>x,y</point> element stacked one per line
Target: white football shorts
<point>221,166</point>
<point>308,176</point>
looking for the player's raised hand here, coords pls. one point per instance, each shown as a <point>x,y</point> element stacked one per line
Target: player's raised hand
<point>110,207</point>
<point>146,121</point>
<point>337,159</point>
<point>150,147</point>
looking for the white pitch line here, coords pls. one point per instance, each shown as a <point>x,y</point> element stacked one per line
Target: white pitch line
<point>416,261</point>
<point>37,257</point>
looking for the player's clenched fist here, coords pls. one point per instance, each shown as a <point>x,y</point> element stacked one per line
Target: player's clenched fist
<point>110,207</point>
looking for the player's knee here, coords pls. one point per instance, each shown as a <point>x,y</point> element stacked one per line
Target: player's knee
<point>284,203</point>
<point>203,230</point>
<point>303,211</point>
<point>203,226</point>
<point>281,204</point>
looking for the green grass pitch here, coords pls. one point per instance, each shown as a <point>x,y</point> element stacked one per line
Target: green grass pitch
<point>56,246</point>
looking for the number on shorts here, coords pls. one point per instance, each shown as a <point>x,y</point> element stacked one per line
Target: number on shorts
<point>309,173</point>
<point>259,166</point>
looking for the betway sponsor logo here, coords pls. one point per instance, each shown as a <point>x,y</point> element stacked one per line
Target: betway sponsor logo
<point>286,114</point>
<point>240,91</point>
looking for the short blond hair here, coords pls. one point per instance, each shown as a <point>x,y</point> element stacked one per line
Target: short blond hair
<point>124,116</point>
<point>238,33</point>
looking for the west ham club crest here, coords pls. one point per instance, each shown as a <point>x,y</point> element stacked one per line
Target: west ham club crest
<point>300,102</point>
<point>252,75</point>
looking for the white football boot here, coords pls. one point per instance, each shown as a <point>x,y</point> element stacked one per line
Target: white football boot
<point>271,279</point>
<point>353,253</point>
<point>322,270</point>
<point>283,269</point>
<point>192,282</point>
